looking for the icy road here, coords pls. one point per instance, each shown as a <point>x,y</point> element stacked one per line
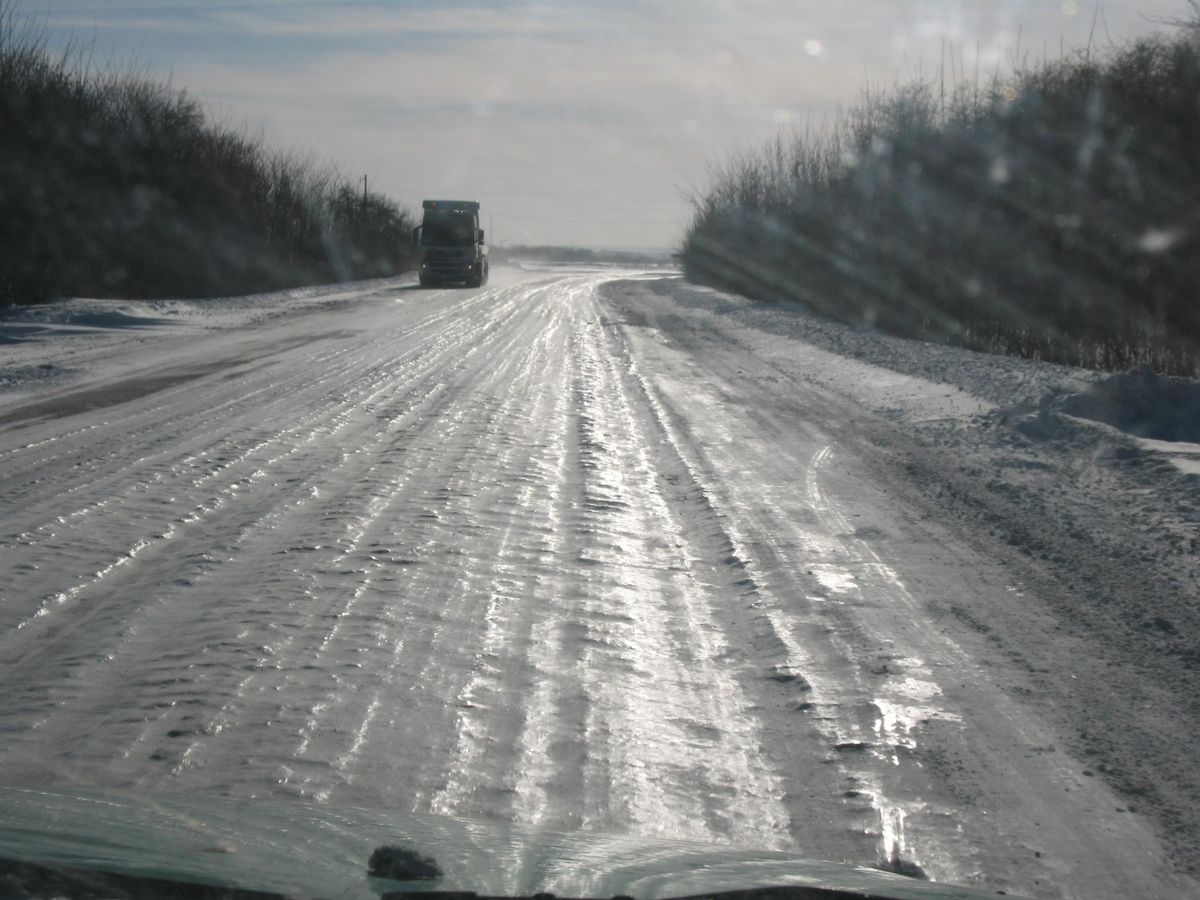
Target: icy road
<point>569,550</point>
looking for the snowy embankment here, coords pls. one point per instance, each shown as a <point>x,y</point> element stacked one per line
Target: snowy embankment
<point>1084,486</point>
<point>1158,415</point>
<point>78,340</point>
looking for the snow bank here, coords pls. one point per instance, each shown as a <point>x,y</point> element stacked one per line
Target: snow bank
<point>1142,404</point>
<point>924,381</point>
<point>52,345</point>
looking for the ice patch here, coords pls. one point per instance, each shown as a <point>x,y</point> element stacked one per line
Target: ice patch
<point>834,580</point>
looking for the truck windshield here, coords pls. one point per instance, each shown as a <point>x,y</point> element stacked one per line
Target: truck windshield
<point>448,230</point>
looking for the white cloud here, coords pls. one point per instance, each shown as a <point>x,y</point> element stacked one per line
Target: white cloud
<point>611,104</point>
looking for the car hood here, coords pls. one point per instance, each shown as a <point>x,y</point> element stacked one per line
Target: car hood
<point>300,849</point>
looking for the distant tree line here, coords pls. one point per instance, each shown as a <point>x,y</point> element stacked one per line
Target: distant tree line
<point>1052,214</point>
<point>112,184</point>
<point>584,255</point>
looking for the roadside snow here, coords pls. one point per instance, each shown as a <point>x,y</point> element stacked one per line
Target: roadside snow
<point>56,344</point>
<point>1163,414</point>
<point>922,381</point>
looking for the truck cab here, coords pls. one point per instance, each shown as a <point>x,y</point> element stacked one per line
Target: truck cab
<point>451,243</point>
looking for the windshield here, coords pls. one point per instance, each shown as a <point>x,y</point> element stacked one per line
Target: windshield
<point>807,465</point>
<point>448,230</point>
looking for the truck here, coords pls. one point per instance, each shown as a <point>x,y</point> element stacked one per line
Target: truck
<point>451,244</point>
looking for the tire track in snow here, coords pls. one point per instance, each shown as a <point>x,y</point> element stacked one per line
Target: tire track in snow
<point>312,784</point>
<point>490,708</point>
<point>131,632</point>
<point>219,465</point>
<point>321,642</point>
<point>633,685</point>
<point>794,646</point>
<point>333,736</point>
<point>130,642</point>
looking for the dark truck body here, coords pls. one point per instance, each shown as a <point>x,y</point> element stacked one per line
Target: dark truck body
<point>451,244</point>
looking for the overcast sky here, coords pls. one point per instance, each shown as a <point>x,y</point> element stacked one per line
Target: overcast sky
<point>582,122</point>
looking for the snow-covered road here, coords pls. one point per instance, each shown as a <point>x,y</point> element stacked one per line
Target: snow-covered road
<point>557,552</point>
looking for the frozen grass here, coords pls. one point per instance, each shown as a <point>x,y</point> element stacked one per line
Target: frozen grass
<point>113,184</point>
<point>1054,214</point>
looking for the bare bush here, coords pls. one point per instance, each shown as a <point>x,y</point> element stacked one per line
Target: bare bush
<point>1054,214</point>
<point>112,184</point>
